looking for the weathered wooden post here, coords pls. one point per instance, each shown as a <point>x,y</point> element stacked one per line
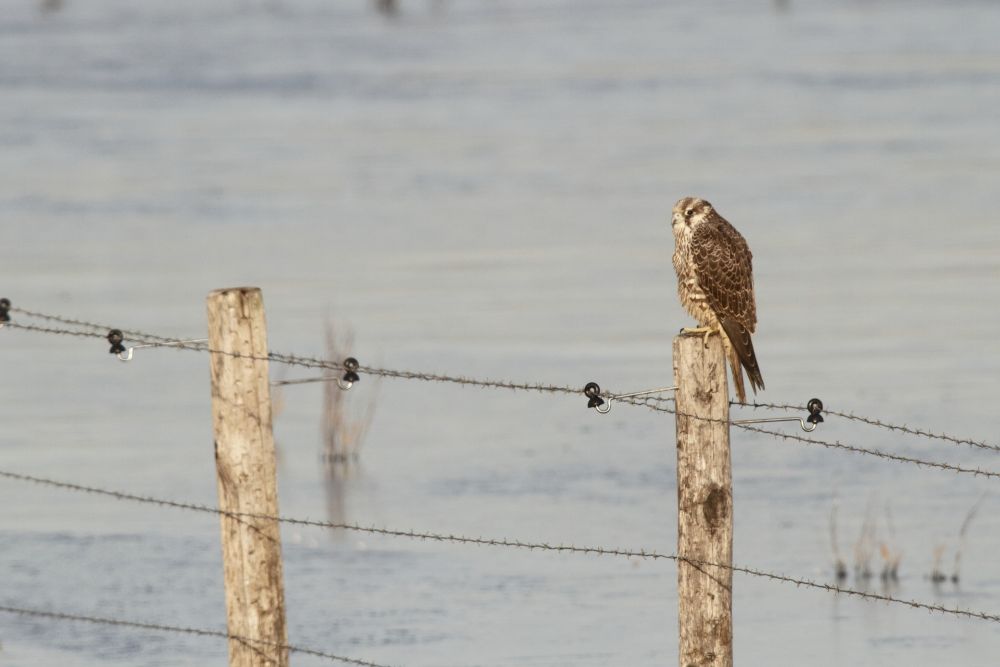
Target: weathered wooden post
<point>245,464</point>
<point>704,503</point>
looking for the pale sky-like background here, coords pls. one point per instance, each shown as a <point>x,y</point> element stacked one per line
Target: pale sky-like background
<point>482,187</point>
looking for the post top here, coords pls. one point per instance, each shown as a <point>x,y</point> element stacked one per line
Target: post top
<point>225,290</point>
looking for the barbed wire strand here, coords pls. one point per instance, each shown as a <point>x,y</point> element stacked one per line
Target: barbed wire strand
<point>902,428</point>
<point>837,445</point>
<point>325,364</point>
<point>202,632</point>
<point>504,542</point>
<point>850,416</point>
<point>313,362</point>
<point>648,402</point>
<point>53,330</point>
<point>155,341</point>
<point>130,333</point>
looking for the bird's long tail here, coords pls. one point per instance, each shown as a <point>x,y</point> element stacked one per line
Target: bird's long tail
<point>741,353</point>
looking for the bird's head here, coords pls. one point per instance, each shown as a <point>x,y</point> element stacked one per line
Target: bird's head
<point>690,211</point>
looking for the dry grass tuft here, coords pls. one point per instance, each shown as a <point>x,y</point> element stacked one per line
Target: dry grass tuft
<point>343,430</point>
<point>963,534</point>
<point>937,576</point>
<point>892,555</point>
<point>839,566</point>
<point>864,548</point>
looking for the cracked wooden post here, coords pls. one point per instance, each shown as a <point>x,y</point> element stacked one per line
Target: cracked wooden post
<point>245,465</point>
<point>704,503</point>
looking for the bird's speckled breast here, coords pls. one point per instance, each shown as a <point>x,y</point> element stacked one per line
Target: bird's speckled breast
<point>691,295</point>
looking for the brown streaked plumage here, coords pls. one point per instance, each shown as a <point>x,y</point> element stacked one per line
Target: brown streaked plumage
<point>715,283</point>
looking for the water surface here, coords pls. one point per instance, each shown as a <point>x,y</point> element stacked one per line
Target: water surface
<point>482,188</point>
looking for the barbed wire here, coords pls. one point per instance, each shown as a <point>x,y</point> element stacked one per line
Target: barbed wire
<point>132,334</point>
<point>312,362</point>
<point>837,445</point>
<point>504,542</point>
<point>52,330</point>
<point>653,403</point>
<point>201,632</point>
<point>288,359</point>
<point>659,403</point>
<point>902,428</point>
<point>154,341</point>
<point>834,588</point>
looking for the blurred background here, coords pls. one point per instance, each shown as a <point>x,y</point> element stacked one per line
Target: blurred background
<point>483,187</point>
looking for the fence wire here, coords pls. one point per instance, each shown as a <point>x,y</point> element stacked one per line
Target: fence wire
<point>867,451</point>
<point>901,428</point>
<point>101,330</point>
<point>201,632</point>
<point>656,403</point>
<point>507,543</point>
<point>836,446</point>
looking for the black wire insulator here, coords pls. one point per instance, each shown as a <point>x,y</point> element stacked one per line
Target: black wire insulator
<point>593,392</point>
<point>115,337</point>
<point>351,366</point>
<point>5,310</point>
<point>815,407</point>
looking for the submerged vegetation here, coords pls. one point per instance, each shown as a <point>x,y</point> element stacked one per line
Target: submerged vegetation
<point>884,542</point>
<point>344,423</point>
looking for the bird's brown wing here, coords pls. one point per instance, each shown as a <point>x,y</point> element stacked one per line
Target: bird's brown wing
<point>723,267</point>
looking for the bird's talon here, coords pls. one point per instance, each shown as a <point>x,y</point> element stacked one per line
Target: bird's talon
<point>704,332</point>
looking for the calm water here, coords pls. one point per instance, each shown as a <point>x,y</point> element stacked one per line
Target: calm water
<point>482,187</point>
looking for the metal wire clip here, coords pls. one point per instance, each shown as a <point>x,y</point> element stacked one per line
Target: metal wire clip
<point>4,311</point>
<point>125,354</point>
<point>351,375</point>
<point>593,392</point>
<point>815,408</point>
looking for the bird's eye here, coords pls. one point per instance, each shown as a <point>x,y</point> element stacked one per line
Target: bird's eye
<point>687,213</point>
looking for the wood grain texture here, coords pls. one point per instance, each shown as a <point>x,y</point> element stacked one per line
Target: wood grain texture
<point>245,464</point>
<point>704,502</point>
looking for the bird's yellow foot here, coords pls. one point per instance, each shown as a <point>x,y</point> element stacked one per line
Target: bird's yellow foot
<point>698,331</point>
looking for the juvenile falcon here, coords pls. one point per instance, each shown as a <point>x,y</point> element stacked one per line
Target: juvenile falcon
<point>715,284</point>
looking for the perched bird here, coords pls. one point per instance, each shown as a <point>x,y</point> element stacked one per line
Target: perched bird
<point>715,284</point>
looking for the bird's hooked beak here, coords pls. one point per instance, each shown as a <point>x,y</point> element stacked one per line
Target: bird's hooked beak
<point>675,220</point>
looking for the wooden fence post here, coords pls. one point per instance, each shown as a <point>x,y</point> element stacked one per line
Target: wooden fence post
<point>245,464</point>
<point>704,503</point>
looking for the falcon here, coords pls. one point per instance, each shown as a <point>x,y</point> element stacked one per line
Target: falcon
<point>715,284</point>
